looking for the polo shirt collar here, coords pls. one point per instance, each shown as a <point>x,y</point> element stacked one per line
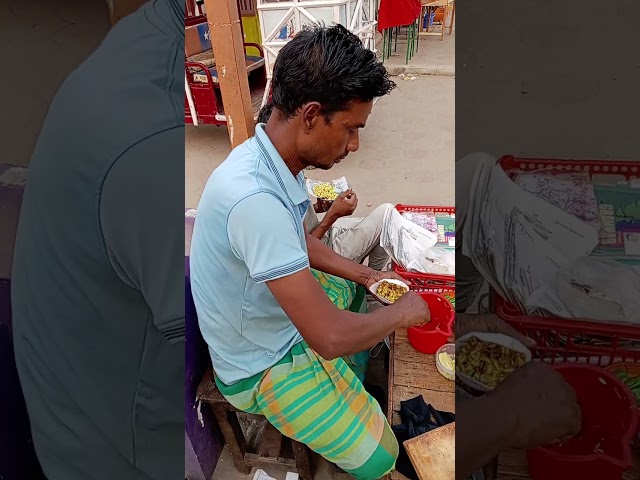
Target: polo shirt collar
<point>292,186</point>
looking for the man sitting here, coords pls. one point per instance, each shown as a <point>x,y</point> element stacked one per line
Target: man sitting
<point>280,346</point>
<point>351,237</point>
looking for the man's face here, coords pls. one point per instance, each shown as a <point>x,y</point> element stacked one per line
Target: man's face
<point>327,143</point>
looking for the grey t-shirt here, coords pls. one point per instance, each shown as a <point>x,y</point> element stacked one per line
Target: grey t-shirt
<point>97,289</point>
<point>311,222</point>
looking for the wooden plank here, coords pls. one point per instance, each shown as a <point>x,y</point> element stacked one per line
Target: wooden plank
<point>433,454</point>
<point>396,475</point>
<point>412,373</point>
<point>228,49</point>
<point>254,460</point>
<point>270,443</point>
<point>442,401</point>
<point>424,376</point>
<point>233,436</point>
<point>302,455</point>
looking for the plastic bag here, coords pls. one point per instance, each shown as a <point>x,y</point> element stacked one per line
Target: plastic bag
<point>596,289</point>
<point>435,260</point>
<point>572,192</point>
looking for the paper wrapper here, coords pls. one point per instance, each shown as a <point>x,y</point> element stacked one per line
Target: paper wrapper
<point>497,338</point>
<point>340,184</point>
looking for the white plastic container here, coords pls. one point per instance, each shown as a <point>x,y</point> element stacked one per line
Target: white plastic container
<point>499,339</point>
<point>448,373</point>
<point>374,289</point>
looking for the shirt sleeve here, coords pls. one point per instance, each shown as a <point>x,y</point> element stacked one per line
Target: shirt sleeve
<point>142,224</point>
<point>263,234</point>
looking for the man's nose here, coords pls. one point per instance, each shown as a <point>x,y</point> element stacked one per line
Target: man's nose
<point>354,142</point>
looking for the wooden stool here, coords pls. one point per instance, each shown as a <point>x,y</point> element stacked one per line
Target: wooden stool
<point>269,448</point>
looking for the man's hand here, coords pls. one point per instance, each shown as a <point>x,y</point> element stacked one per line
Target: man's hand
<point>534,406</point>
<point>344,205</point>
<point>413,309</point>
<point>376,276</point>
<point>490,323</point>
<point>540,406</point>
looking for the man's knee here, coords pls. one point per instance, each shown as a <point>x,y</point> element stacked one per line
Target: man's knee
<point>383,460</point>
<point>379,213</point>
<point>382,209</point>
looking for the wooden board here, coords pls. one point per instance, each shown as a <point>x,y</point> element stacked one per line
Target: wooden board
<point>412,373</point>
<point>257,93</point>
<point>433,454</point>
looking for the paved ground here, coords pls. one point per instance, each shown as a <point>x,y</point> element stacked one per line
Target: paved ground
<point>433,57</point>
<point>406,153</point>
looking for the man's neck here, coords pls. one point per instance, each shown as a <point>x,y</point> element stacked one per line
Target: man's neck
<point>280,134</point>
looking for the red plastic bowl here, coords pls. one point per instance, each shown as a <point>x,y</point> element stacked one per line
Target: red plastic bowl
<point>602,450</point>
<point>430,337</point>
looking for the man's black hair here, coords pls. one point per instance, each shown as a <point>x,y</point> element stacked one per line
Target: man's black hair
<point>329,65</point>
<point>265,113</point>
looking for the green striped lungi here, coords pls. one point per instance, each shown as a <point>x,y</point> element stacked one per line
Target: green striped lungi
<point>322,403</point>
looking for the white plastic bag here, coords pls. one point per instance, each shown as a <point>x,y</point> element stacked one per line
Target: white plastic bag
<point>594,288</point>
<point>434,260</point>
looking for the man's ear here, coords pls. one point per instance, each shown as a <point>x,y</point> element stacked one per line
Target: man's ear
<point>310,115</point>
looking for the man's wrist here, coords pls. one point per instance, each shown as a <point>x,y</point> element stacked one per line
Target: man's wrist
<point>330,218</point>
<point>363,274</point>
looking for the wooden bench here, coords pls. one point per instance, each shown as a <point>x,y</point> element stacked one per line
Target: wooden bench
<point>268,448</point>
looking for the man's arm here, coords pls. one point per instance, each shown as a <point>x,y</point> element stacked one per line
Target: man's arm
<point>323,258</point>
<point>343,206</point>
<point>326,223</point>
<point>333,332</point>
<point>141,220</point>
<point>263,234</point>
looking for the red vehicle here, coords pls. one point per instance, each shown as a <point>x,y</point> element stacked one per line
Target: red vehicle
<point>201,84</point>
<point>203,100</point>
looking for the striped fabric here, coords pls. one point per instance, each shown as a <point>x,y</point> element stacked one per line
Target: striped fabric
<point>341,292</point>
<point>322,403</point>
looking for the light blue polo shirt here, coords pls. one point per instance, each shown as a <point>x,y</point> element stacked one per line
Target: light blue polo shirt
<point>248,231</point>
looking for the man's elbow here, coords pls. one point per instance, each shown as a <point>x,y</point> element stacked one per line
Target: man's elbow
<point>328,348</point>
